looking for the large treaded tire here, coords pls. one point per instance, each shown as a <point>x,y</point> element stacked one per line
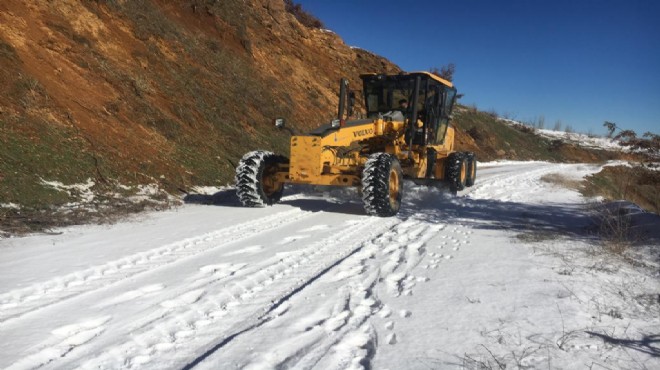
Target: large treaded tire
<point>431,155</point>
<point>471,169</point>
<point>250,178</point>
<point>456,172</point>
<point>382,185</point>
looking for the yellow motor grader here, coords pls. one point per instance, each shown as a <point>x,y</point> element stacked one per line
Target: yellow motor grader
<point>406,134</point>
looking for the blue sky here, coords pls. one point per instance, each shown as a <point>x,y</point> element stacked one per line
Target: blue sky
<point>582,62</point>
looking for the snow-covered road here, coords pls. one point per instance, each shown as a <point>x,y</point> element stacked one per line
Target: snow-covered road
<point>503,274</point>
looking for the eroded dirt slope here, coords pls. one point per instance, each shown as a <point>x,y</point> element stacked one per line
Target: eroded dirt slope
<point>166,91</point>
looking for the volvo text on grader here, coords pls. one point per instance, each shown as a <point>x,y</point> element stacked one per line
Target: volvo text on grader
<point>375,154</point>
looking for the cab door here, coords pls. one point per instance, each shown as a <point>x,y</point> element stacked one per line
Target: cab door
<point>433,108</point>
<point>446,101</point>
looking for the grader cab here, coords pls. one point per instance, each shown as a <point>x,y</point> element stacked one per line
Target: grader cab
<point>405,133</point>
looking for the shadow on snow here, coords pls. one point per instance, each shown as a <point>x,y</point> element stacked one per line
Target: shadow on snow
<point>551,220</point>
<point>649,344</point>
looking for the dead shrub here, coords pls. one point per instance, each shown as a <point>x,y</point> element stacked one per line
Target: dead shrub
<point>634,184</point>
<point>556,144</point>
<point>492,113</point>
<point>304,17</point>
<point>7,51</point>
<point>167,127</point>
<point>614,227</point>
<point>476,133</point>
<point>523,128</point>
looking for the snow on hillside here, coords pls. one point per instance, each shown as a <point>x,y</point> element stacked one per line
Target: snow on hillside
<point>507,274</point>
<point>584,140</point>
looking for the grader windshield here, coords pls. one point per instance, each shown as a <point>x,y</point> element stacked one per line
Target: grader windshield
<point>435,99</point>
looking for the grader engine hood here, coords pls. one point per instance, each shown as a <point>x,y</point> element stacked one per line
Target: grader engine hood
<point>322,156</point>
<point>352,131</point>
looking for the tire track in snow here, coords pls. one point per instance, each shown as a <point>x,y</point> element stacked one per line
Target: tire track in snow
<point>19,302</point>
<point>63,340</point>
<point>339,334</point>
<point>233,305</point>
<point>388,260</point>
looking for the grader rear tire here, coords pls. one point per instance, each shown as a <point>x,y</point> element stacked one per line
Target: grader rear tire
<point>382,185</point>
<point>255,186</point>
<point>471,169</point>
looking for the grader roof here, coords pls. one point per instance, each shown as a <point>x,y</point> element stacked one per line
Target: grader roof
<point>412,74</point>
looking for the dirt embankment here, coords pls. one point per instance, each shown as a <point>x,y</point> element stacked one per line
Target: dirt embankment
<point>171,92</point>
<point>157,91</point>
<point>638,184</point>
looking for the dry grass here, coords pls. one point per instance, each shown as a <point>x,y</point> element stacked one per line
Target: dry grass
<point>491,139</point>
<point>537,236</point>
<point>618,186</point>
<point>613,225</point>
<point>563,181</point>
<point>637,184</point>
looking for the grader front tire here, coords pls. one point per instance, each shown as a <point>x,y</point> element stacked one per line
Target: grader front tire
<point>382,185</point>
<point>255,185</point>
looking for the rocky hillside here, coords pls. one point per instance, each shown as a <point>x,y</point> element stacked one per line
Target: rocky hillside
<point>175,92</point>
<point>172,92</point>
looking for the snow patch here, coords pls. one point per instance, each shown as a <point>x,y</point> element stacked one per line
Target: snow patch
<point>82,191</point>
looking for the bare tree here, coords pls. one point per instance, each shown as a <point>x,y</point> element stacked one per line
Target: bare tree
<point>541,122</point>
<point>557,125</point>
<point>650,135</point>
<point>611,127</point>
<point>649,142</point>
<point>446,72</point>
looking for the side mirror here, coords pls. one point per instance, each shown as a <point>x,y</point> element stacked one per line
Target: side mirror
<point>279,123</point>
<point>335,123</point>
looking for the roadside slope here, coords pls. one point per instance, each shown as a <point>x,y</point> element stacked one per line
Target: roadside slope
<point>153,91</point>
<point>121,93</point>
